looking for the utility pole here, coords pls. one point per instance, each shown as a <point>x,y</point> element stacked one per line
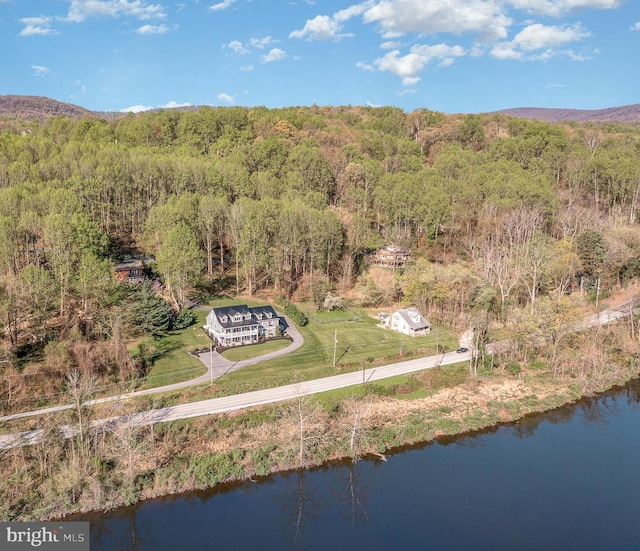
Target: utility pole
<point>335,346</point>
<point>211,364</point>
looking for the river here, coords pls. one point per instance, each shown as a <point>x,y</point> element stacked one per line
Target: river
<point>568,480</point>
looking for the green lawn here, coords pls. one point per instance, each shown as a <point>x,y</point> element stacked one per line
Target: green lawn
<point>358,342</point>
<point>172,362</point>
<point>335,316</point>
<point>246,352</point>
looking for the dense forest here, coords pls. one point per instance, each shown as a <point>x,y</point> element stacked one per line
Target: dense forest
<point>506,218</point>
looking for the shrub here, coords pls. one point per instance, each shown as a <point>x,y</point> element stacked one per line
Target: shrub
<point>292,311</point>
<point>184,319</point>
<point>513,367</point>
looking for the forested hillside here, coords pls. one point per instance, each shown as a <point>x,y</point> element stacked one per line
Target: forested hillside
<point>38,107</point>
<point>626,113</point>
<point>505,219</point>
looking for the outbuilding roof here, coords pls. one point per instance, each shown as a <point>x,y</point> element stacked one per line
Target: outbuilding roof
<point>413,318</point>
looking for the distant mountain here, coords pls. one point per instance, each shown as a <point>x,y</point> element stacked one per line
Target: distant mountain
<point>37,107</point>
<point>626,113</point>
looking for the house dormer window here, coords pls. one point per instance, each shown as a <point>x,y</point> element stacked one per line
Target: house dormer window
<point>223,319</point>
<point>259,316</point>
<point>237,317</point>
<point>268,314</point>
<point>247,316</point>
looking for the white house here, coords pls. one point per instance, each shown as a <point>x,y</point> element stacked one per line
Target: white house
<point>236,325</point>
<point>410,322</point>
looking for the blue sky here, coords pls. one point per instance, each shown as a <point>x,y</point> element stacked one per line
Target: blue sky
<point>455,56</point>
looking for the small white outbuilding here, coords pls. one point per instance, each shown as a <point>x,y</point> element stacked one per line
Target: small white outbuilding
<point>410,322</point>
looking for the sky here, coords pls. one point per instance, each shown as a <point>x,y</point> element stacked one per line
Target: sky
<point>454,56</point>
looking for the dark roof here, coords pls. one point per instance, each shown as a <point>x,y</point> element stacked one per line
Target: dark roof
<point>128,265</point>
<point>243,310</point>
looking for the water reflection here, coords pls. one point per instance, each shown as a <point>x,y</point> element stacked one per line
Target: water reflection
<point>301,509</point>
<point>564,479</point>
<point>123,530</point>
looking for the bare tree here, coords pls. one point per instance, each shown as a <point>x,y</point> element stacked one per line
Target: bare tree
<point>81,388</point>
<point>306,416</point>
<point>593,139</point>
<point>357,411</point>
<point>479,333</point>
<point>498,264</point>
<point>533,258</point>
<point>129,439</point>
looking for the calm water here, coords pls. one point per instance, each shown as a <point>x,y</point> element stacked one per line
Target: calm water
<point>566,480</point>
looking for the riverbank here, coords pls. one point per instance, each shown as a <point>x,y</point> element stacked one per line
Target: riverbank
<point>60,477</point>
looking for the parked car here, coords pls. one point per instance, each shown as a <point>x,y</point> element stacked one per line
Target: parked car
<point>462,350</point>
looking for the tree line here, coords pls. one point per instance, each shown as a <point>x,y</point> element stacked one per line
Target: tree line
<point>500,213</point>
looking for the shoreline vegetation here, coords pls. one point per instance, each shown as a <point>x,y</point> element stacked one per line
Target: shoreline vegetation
<point>140,463</point>
<point>500,229</point>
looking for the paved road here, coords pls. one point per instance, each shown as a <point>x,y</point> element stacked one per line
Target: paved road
<point>217,366</point>
<point>241,401</point>
<point>249,399</point>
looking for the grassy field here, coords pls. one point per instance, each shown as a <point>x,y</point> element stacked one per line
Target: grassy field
<point>359,343</point>
<point>172,362</point>
<point>404,387</point>
<point>247,352</point>
<point>335,316</point>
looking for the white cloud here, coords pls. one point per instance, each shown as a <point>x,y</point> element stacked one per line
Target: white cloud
<point>540,42</point>
<point>247,68</point>
<point>39,70</point>
<point>81,87</point>
<point>80,10</point>
<point>173,104</point>
<point>636,27</point>
<point>226,98</point>
<point>275,54</point>
<point>419,56</point>
<point>364,66</point>
<point>410,81</point>
<point>390,45</point>
<point>321,27</point>
<point>237,48</point>
<point>505,51</point>
<point>152,29</point>
<point>537,36</point>
<point>557,8</point>
<point>262,43</point>
<point>486,18</point>
<point>36,26</point>
<point>222,5</point>
<point>136,109</point>
<point>141,108</point>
